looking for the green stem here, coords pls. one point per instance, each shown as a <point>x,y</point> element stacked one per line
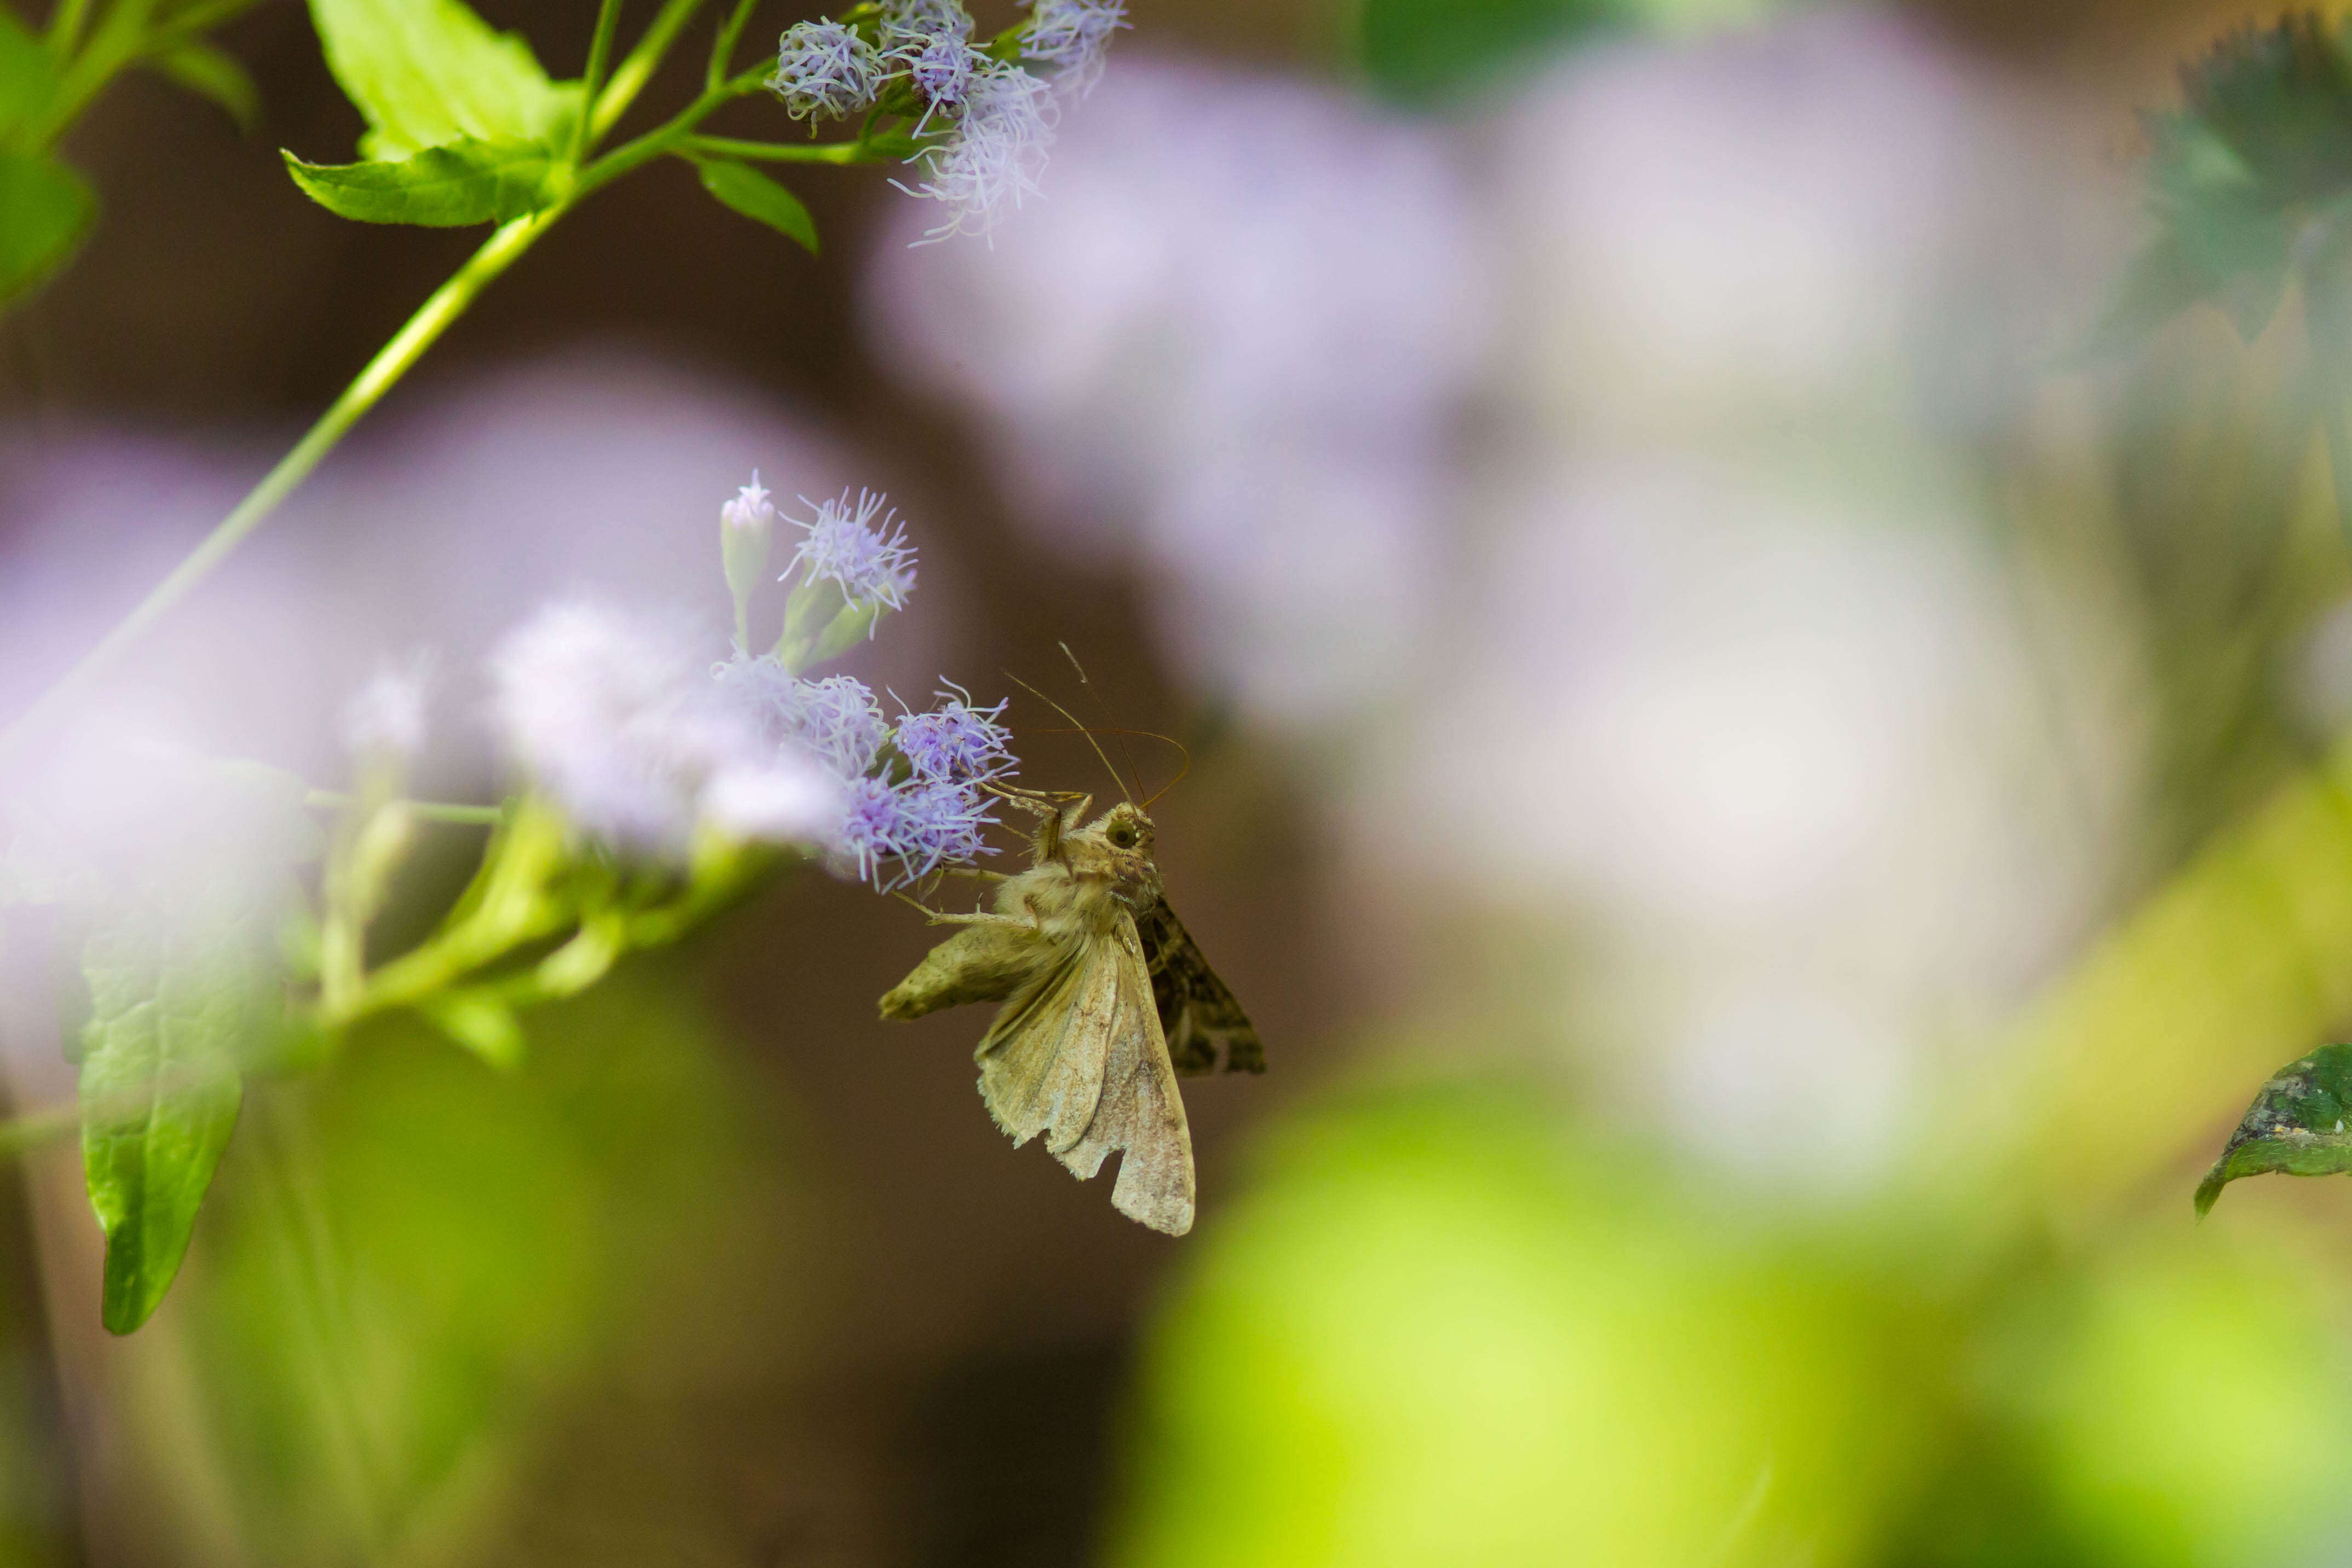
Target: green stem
<point>665,139</point>
<point>194,20</point>
<point>65,27</point>
<point>423,810</point>
<point>449,301</point>
<point>600,55</point>
<point>19,1134</point>
<point>636,70</point>
<point>114,44</point>
<point>722,47</point>
<point>843,153</point>
<point>120,42</point>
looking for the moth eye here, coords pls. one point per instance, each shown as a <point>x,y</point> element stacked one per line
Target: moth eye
<point>1123,836</point>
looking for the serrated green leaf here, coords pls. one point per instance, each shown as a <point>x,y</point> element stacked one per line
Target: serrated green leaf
<point>214,74</point>
<point>760,198</point>
<point>172,1015</point>
<point>2300,1123</point>
<point>45,210</point>
<point>425,73</point>
<point>465,183</point>
<point>27,77</point>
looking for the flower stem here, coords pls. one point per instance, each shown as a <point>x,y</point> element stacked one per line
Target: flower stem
<point>448,302</point>
<point>785,151</point>
<point>600,55</point>
<point>722,45</point>
<point>65,26</point>
<point>423,810</point>
<point>35,1128</point>
<point>630,77</point>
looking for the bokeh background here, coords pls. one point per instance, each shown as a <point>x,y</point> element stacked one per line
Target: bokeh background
<point>1770,808</point>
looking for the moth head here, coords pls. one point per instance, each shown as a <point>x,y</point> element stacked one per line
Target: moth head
<point>1125,829</point>
<point>1118,845</point>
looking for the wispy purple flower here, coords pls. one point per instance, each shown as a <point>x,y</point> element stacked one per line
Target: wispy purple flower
<point>942,825</point>
<point>893,835</point>
<point>996,154</point>
<point>824,70</point>
<point>871,830</point>
<point>925,18</point>
<point>1074,35</point>
<point>940,67</point>
<point>839,720</point>
<point>871,561</point>
<point>956,741</point>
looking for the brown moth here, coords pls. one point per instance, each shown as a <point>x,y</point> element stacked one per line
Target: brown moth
<point>1105,1001</point>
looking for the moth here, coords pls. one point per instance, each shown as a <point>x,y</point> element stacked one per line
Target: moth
<point>1105,1000</point>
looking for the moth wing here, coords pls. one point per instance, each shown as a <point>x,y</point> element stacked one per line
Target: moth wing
<point>1041,1063</point>
<point>1140,1111</point>
<point>1197,1013</point>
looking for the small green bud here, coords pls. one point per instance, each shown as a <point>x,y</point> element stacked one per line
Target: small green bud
<point>745,526</point>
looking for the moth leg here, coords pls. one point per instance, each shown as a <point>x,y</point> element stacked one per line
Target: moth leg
<point>978,918</point>
<point>1038,802</point>
<point>978,874</point>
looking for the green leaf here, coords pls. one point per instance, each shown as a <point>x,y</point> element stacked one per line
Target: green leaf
<point>442,187</point>
<point>45,210</point>
<point>2158,285</point>
<point>424,73</point>
<point>2298,1124</point>
<point>760,198</point>
<point>214,74</point>
<point>27,78</point>
<point>171,1016</point>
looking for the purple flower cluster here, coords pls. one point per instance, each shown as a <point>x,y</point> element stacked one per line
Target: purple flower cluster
<point>825,69</point>
<point>955,742</point>
<point>869,558</point>
<point>1003,115</point>
<point>1074,35</point>
<point>896,823</point>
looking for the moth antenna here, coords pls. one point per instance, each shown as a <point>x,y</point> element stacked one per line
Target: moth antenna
<point>1187,753</point>
<point>1140,734</point>
<point>1090,734</point>
<point>1104,708</point>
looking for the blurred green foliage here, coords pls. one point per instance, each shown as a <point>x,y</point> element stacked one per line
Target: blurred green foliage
<point>1431,53</point>
<point>415,1264</point>
<point>1448,1328</point>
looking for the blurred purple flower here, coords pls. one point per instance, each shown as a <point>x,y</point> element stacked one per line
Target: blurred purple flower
<point>616,720</point>
<point>386,718</point>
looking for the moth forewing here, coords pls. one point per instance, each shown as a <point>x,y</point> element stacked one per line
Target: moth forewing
<point>1093,969</point>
